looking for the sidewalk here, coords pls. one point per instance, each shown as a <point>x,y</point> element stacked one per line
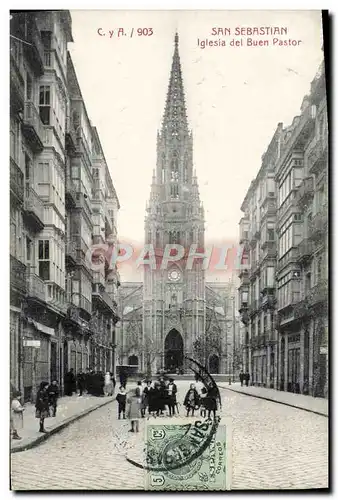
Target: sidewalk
<point>308,403</point>
<point>69,409</point>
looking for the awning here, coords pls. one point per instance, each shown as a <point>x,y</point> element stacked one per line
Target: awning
<point>43,328</point>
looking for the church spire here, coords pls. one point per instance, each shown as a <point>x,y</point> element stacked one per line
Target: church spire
<point>175,117</point>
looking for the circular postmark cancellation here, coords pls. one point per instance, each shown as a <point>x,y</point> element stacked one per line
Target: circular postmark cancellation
<point>170,447</point>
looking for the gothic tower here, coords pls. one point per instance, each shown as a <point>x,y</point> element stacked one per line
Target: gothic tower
<point>173,294</point>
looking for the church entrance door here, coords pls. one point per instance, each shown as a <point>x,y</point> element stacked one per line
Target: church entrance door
<point>214,364</point>
<point>173,351</point>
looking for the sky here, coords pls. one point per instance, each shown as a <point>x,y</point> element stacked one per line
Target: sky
<point>235,97</point>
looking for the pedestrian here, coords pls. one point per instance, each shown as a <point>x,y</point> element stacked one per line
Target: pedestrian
<point>162,397</point>
<point>42,405</point>
<point>134,409</point>
<point>53,394</point>
<point>69,382</point>
<point>191,400</point>
<point>146,392</point>
<point>203,411</point>
<point>241,377</point>
<point>172,391</point>
<point>16,415</point>
<point>154,399</point>
<point>113,381</point>
<point>247,378</point>
<point>121,401</point>
<point>108,384</point>
<point>101,383</point>
<point>81,382</point>
<point>211,402</point>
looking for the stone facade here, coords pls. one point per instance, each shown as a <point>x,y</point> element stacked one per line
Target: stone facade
<point>284,276</point>
<point>56,302</point>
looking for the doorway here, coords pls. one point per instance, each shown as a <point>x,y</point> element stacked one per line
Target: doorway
<point>173,349</point>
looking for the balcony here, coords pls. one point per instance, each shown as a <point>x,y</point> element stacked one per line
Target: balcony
<point>71,252</point>
<point>305,192</point>
<point>84,304</point>
<point>254,233</point>
<point>98,278</point>
<point>17,84</point>
<point>301,309</point>
<point>34,210</point>
<point>254,307</point>
<point>32,127</point>
<point>290,257</point>
<point>34,50</point>
<point>82,202</point>
<point>299,134</point>
<point>255,268</point>
<point>269,245</point>
<point>70,192</point>
<point>317,155</point>
<point>258,341</point>
<point>318,225</point>
<point>244,277</point>
<point>36,287</point>
<point>16,181</point>
<point>318,294</point>
<point>18,274</point>
<point>268,300</point>
<point>305,250</point>
<point>83,254</point>
<point>269,209</point>
<point>100,295</point>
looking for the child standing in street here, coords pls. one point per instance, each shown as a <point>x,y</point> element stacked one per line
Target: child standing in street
<point>191,400</point>
<point>203,401</point>
<point>121,401</point>
<point>16,415</point>
<point>134,410</point>
<point>53,394</point>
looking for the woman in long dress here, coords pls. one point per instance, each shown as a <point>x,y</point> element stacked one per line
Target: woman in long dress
<point>108,384</point>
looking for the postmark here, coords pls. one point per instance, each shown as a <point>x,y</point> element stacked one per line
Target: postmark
<point>171,444</point>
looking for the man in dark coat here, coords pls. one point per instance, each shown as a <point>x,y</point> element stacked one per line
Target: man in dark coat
<point>241,377</point>
<point>247,378</point>
<point>70,382</point>
<point>81,382</point>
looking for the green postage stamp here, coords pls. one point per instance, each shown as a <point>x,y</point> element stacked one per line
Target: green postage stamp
<point>189,456</point>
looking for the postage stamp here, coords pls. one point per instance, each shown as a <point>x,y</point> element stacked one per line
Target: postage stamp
<point>172,444</point>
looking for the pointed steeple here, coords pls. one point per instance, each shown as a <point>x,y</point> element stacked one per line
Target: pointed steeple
<point>175,117</point>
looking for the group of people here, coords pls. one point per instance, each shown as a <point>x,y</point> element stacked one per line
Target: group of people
<point>45,406</point>
<point>244,378</point>
<point>159,396</point>
<point>92,382</point>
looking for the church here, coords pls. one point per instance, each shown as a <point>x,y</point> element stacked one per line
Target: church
<point>175,312</point>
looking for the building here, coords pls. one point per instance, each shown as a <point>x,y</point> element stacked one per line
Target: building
<point>47,296</point>
<point>284,295</point>
<point>175,313</point>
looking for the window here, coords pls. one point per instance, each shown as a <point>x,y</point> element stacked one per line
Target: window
<point>46,38</point>
<point>308,283</point>
<point>28,249</point>
<point>29,88</point>
<point>271,234</point>
<point>43,172</point>
<point>174,191</point>
<point>44,104</point>
<point>319,269</point>
<point>44,262</point>
<point>14,139</point>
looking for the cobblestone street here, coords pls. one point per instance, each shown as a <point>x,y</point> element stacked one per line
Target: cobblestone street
<point>274,446</point>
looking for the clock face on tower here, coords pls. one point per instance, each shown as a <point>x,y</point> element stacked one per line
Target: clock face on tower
<point>174,275</point>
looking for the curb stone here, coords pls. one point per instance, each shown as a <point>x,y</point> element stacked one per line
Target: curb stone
<point>275,401</point>
<point>60,427</point>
